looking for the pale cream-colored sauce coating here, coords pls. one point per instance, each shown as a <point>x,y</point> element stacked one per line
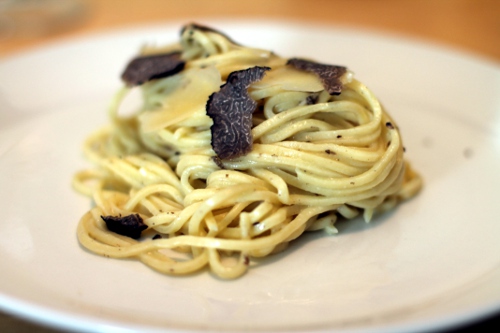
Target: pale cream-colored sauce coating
<point>315,158</point>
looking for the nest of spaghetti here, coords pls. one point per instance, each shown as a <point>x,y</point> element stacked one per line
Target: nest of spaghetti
<point>235,152</point>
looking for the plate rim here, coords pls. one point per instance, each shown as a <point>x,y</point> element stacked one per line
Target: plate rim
<point>121,31</point>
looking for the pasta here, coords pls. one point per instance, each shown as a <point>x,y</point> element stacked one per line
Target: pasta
<point>315,157</point>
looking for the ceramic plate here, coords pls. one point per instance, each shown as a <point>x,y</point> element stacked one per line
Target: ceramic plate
<point>434,262</point>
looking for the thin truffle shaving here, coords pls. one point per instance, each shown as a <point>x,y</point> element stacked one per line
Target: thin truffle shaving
<point>130,226</point>
<point>317,147</point>
<point>330,75</point>
<point>149,67</point>
<point>231,110</point>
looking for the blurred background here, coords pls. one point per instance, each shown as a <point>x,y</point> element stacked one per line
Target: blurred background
<point>469,26</point>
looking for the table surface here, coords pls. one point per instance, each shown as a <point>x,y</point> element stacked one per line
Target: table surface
<point>467,25</point>
<point>471,26</point>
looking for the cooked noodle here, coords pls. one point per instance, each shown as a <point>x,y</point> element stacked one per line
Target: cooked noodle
<point>315,158</point>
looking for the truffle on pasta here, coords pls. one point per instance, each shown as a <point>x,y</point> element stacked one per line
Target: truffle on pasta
<point>185,187</point>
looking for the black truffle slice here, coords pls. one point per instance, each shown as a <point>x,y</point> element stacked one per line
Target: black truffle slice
<point>206,29</point>
<point>231,110</point>
<point>328,74</point>
<point>145,68</point>
<point>130,225</point>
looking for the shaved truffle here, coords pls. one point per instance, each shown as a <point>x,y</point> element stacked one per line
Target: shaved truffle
<point>203,28</point>
<point>328,74</point>
<point>149,67</point>
<point>130,225</point>
<point>231,110</point>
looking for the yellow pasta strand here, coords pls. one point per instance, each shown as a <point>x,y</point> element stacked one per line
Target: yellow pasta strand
<point>316,158</point>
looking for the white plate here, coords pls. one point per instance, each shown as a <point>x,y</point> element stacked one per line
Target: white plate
<point>434,262</point>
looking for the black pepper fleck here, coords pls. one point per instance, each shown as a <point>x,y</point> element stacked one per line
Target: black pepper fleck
<point>329,152</point>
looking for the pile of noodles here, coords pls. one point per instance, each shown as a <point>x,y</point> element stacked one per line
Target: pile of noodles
<point>315,158</point>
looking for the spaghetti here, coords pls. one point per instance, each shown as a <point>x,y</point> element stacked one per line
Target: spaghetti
<point>315,157</point>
